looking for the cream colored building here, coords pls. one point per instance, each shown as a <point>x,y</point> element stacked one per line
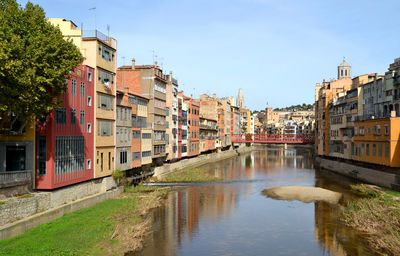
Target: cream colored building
<point>100,52</point>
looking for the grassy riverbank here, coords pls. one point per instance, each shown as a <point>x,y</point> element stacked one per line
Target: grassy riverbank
<point>189,175</point>
<point>378,215</point>
<point>109,228</point>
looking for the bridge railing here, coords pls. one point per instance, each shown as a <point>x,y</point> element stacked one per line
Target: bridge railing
<point>274,138</point>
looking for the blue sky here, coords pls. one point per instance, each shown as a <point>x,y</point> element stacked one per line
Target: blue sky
<point>275,50</point>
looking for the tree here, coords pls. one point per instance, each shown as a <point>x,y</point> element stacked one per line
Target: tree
<point>35,60</point>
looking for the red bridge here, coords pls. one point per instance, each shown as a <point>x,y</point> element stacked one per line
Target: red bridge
<point>274,138</point>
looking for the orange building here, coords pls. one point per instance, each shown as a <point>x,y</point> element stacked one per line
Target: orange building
<point>376,141</point>
<point>193,115</point>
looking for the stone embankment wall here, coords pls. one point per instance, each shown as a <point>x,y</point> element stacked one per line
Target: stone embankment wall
<point>369,175</point>
<point>200,160</point>
<point>18,208</point>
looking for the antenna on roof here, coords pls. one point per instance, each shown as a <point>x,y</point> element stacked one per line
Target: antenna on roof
<point>123,60</point>
<point>94,9</point>
<point>108,31</point>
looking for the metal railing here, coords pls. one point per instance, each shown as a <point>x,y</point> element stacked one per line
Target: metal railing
<point>14,178</point>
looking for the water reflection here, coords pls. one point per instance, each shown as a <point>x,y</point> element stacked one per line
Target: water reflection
<point>235,219</point>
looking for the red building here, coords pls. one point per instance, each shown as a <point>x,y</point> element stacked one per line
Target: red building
<point>65,139</point>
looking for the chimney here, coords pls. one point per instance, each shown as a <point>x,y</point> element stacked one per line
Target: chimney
<point>133,63</point>
<point>214,96</point>
<point>170,76</point>
<point>156,64</point>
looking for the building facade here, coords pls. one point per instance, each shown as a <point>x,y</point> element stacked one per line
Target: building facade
<point>65,138</point>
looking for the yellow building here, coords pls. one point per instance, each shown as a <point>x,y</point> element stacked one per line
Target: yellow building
<point>17,160</point>
<point>99,51</point>
<point>376,141</point>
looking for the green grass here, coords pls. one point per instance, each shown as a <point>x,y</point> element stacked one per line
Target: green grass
<point>75,233</point>
<point>2,203</point>
<point>191,175</point>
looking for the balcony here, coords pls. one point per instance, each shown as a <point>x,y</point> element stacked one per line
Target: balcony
<point>15,178</point>
<point>159,127</point>
<point>160,95</point>
<point>208,127</point>
<point>159,111</point>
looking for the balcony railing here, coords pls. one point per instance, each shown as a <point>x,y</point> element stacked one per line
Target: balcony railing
<point>97,34</point>
<point>15,178</point>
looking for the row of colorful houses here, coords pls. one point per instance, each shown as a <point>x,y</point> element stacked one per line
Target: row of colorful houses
<point>358,119</point>
<point>128,118</point>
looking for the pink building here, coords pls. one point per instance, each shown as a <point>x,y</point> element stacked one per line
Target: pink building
<point>65,138</point>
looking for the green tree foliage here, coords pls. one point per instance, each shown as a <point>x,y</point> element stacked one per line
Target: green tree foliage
<point>35,60</point>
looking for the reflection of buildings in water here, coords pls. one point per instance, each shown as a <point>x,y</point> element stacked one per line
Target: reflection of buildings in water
<point>249,163</point>
<point>331,234</point>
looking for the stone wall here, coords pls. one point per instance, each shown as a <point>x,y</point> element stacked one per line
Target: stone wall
<point>20,226</point>
<point>21,207</point>
<point>377,177</point>
<point>200,160</point>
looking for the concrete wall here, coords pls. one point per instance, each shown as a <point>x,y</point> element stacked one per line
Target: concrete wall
<point>18,208</point>
<point>200,160</point>
<point>368,175</point>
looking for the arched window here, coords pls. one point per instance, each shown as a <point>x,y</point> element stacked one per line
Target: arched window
<point>341,72</point>
<point>345,72</point>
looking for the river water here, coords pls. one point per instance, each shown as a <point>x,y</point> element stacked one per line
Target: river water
<point>235,218</point>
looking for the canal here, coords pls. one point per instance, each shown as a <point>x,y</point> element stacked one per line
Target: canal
<point>235,218</point>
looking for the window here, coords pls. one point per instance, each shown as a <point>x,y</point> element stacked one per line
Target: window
<point>61,116</point>
<point>42,155</point>
<point>146,153</point>
<point>105,102</point>
<point>89,76</point>
<point>134,123</point>
<point>367,149</point>
<point>89,128</point>
<point>82,119</point>
<point>105,77</point>
<point>361,130</point>
<point>136,156</point>
<point>82,90</point>
<point>387,153</point>
<point>73,86</point>
<point>73,116</point>
<point>355,130</point>
<point>101,162</point>
<point>109,160</point>
<point>374,149</point>
<point>159,135</point>
<point>369,130</point>
<point>104,128</point>
<point>132,100</point>
<point>89,164</point>
<point>386,129</point>
<point>141,121</point>
<point>69,154</point>
<point>106,53</point>
<point>377,129</point>
<point>136,134</point>
<point>146,135</point>
<point>123,155</point>
<point>380,150</point>
<point>89,101</point>
<point>15,158</point>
